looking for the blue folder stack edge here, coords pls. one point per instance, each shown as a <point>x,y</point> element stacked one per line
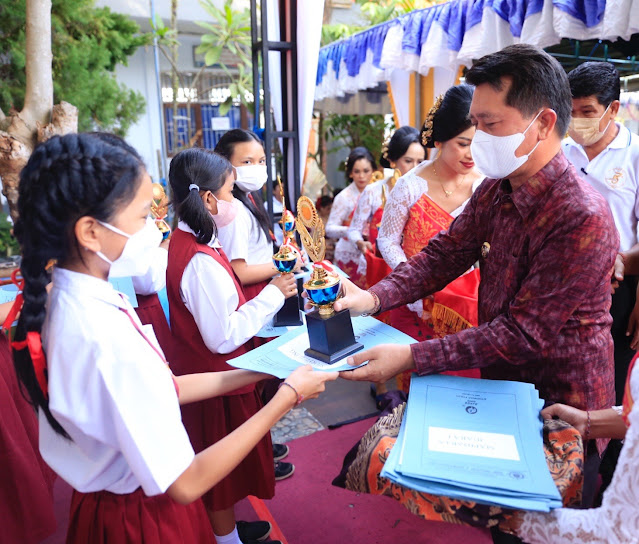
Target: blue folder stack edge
<point>477,440</point>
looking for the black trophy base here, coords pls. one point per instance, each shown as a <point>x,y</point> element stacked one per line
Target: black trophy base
<point>331,337</point>
<point>289,314</point>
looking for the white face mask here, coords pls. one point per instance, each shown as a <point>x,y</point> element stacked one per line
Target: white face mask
<point>585,131</point>
<point>251,178</point>
<point>134,260</point>
<point>495,155</point>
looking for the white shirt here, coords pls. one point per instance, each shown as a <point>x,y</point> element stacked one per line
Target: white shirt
<point>615,174</point>
<point>209,293</point>
<point>110,391</point>
<point>345,250</point>
<point>244,239</point>
<point>407,191</point>
<point>616,521</point>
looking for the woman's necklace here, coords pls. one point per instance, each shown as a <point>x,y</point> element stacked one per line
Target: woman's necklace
<point>447,193</point>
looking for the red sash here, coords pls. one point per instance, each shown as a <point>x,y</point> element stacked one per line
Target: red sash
<point>454,308</point>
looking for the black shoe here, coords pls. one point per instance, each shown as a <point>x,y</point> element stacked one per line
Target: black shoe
<point>280,451</point>
<point>283,470</point>
<point>253,531</point>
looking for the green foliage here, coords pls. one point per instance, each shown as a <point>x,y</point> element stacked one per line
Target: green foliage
<point>88,43</point>
<point>356,130</point>
<point>8,244</point>
<point>230,31</point>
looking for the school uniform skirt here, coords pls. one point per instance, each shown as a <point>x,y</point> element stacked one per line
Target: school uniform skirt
<point>207,422</point>
<point>26,482</point>
<point>133,518</point>
<point>150,312</point>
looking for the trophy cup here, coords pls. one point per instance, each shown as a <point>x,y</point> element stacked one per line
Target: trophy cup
<point>330,333</point>
<point>285,260</point>
<point>160,209</point>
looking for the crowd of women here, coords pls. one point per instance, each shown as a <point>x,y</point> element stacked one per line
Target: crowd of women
<point>162,454</point>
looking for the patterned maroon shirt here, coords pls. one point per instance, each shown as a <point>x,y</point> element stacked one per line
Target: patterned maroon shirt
<point>544,296</point>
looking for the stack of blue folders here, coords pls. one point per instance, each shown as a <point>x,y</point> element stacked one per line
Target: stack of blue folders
<point>478,440</point>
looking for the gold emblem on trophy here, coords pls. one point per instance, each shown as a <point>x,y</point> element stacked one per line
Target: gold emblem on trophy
<point>330,333</point>
<point>160,209</point>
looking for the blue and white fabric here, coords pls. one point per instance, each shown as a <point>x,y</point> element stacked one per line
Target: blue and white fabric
<point>454,33</point>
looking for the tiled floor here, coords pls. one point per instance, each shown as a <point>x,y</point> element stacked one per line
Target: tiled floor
<point>297,423</point>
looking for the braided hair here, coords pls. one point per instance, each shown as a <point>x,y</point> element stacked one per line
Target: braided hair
<point>208,171</point>
<point>225,147</point>
<point>66,178</point>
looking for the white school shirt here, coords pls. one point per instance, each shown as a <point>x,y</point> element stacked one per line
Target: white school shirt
<point>209,293</point>
<point>615,174</point>
<point>110,391</point>
<point>243,238</point>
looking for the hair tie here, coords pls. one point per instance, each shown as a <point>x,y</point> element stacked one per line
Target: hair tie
<point>193,186</point>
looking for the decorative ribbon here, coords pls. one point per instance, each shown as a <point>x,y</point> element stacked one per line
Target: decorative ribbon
<point>33,341</point>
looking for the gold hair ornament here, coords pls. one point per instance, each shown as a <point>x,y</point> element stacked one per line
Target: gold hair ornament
<point>427,131</point>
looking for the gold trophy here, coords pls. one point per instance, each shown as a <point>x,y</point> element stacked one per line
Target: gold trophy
<point>160,209</point>
<point>330,333</point>
<point>285,260</point>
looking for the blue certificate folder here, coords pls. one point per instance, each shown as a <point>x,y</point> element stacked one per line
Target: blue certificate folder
<point>283,355</point>
<point>474,439</point>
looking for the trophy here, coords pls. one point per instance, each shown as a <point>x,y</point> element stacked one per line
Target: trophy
<point>160,209</point>
<point>285,260</point>
<point>330,333</point>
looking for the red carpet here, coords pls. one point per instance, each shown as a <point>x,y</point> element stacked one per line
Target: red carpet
<point>309,510</point>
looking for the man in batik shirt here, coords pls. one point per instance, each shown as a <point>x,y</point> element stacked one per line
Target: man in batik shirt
<point>545,240</point>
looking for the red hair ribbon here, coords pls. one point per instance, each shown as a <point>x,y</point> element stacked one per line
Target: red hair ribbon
<point>33,341</point>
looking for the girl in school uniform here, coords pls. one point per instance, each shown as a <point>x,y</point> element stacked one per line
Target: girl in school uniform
<point>248,240</point>
<point>150,276</point>
<point>213,321</point>
<point>108,404</point>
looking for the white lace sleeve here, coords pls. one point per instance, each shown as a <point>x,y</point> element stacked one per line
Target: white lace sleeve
<point>342,208</point>
<point>616,521</point>
<point>389,240</point>
<point>362,215</point>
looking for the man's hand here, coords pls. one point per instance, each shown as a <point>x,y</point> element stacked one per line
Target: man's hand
<point>384,362</point>
<point>618,271</point>
<point>355,299</point>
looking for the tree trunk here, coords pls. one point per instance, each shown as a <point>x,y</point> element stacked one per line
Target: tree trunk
<point>22,131</point>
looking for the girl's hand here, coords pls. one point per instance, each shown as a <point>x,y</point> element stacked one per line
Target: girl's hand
<point>286,283</point>
<point>364,246</point>
<point>309,383</point>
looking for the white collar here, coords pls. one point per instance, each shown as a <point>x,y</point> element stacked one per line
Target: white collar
<point>214,243</point>
<point>78,283</point>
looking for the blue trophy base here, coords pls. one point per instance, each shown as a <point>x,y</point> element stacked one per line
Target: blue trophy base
<point>331,337</point>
